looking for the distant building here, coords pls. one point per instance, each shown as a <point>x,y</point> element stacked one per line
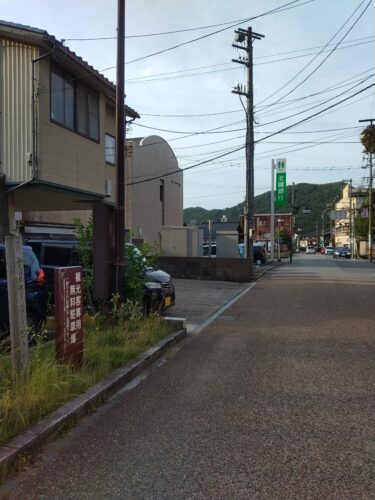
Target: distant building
<point>347,209</point>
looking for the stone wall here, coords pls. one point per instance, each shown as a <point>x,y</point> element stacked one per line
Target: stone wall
<point>205,268</point>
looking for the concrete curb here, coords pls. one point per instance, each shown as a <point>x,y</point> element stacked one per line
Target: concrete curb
<point>265,270</point>
<point>31,440</point>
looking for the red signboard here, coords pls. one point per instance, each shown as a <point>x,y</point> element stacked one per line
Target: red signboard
<point>69,315</point>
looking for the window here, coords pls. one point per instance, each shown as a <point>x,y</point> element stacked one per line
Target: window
<point>110,149</point>
<point>74,105</point>
<point>87,111</point>
<point>62,100</point>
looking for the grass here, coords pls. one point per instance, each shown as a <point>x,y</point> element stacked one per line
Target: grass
<point>48,385</point>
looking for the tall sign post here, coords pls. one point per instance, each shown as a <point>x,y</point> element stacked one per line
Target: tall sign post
<point>280,193</point>
<point>281,183</point>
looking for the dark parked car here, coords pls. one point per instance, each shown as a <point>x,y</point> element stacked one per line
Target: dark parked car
<point>159,292</point>
<point>342,252</point>
<point>159,289</point>
<point>36,296</point>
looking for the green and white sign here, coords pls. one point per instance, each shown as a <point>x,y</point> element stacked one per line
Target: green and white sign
<point>280,183</point>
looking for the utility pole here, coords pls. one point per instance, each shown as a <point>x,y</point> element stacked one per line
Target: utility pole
<point>370,152</point>
<point>350,216</point>
<point>273,166</point>
<point>120,150</point>
<point>244,39</point>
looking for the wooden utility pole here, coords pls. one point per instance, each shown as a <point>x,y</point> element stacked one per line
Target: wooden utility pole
<point>120,151</point>
<point>244,39</point>
<point>371,121</point>
<point>17,303</point>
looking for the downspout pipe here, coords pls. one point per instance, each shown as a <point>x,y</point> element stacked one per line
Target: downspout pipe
<point>34,159</point>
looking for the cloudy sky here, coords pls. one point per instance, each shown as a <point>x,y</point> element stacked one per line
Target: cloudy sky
<point>314,54</point>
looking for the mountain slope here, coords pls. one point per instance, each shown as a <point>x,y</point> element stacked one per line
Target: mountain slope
<point>316,197</point>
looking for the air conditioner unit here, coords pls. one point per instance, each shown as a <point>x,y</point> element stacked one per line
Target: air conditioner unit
<point>108,187</point>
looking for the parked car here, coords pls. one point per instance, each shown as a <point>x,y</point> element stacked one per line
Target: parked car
<point>159,292</point>
<point>310,250</point>
<point>329,250</point>
<point>342,252</point>
<point>36,296</point>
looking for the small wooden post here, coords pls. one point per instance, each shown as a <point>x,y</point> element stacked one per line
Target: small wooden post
<point>17,303</point>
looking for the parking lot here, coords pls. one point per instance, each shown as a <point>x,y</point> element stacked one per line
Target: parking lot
<point>197,300</point>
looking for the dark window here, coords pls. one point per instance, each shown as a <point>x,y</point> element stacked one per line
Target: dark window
<point>3,271</point>
<point>87,111</point>
<point>57,256</point>
<point>74,105</point>
<point>110,149</point>
<point>162,202</point>
<point>62,100</point>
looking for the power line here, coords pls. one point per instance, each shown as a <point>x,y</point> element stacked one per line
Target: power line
<point>316,114</point>
<point>317,105</point>
<point>238,21</point>
<point>174,75</point>
<point>322,62</point>
<point>179,171</point>
<point>272,11</point>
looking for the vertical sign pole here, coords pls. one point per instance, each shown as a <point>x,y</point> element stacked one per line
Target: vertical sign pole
<point>273,210</point>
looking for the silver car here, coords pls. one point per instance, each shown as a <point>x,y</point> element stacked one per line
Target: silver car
<point>311,250</point>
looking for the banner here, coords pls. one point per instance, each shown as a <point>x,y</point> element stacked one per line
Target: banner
<point>280,183</point>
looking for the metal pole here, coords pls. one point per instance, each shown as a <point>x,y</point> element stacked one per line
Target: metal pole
<point>120,150</point>
<point>350,214</point>
<point>209,238</point>
<point>370,214</point>
<point>273,166</point>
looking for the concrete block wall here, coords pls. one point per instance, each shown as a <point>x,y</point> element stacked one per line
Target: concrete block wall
<point>206,268</point>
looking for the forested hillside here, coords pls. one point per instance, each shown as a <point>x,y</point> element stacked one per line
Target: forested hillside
<point>316,197</point>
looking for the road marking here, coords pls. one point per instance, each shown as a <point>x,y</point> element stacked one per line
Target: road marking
<point>220,311</point>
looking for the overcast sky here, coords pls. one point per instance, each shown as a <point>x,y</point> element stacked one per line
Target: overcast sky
<point>185,92</point>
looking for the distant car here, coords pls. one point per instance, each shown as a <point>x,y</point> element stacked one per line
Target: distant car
<point>310,250</point>
<point>342,252</point>
<point>259,252</point>
<point>36,296</point>
<point>329,250</point>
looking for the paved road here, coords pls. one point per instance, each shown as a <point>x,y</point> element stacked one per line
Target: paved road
<point>274,399</point>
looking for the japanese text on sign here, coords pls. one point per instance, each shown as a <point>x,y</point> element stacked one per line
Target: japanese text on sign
<point>69,313</point>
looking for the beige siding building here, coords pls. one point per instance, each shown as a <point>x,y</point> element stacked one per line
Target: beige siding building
<point>58,144</point>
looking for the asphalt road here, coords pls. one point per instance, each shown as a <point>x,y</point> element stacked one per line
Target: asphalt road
<point>274,399</point>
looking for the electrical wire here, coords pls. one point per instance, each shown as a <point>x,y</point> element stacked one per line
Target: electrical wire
<point>174,75</point>
<point>322,62</point>
<point>272,11</point>
<point>145,35</point>
<point>179,171</point>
